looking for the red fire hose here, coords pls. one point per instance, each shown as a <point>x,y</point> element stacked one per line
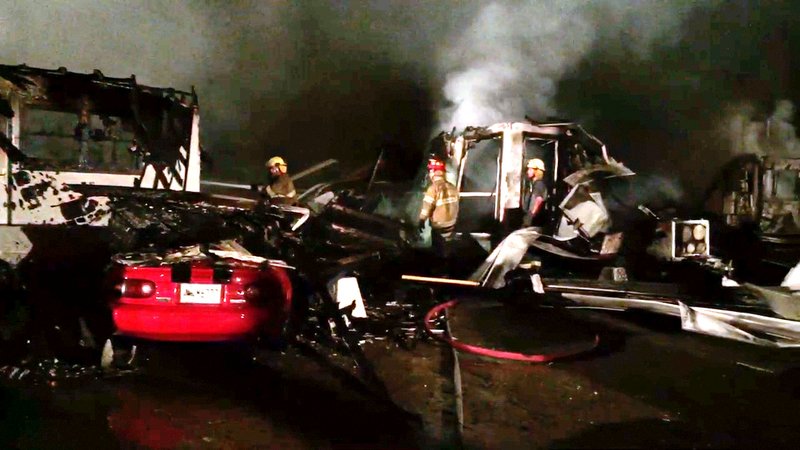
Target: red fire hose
<point>498,354</point>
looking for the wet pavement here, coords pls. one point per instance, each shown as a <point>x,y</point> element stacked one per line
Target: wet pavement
<point>648,385</point>
<point>202,396</point>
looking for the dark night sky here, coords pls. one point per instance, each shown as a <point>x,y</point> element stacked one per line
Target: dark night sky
<point>312,80</point>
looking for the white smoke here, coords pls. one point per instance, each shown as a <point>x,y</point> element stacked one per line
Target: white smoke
<point>749,131</point>
<point>264,68</point>
<point>781,138</point>
<point>509,59</point>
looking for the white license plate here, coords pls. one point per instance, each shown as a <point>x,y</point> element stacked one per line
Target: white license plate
<point>201,293</point>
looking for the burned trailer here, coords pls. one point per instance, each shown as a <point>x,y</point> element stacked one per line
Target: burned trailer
<point>487,164</point>
<point>67,140</point>
<point>62,133</point>
<point>596,213</point>
<point>761,193</point>
<point>756,202</point>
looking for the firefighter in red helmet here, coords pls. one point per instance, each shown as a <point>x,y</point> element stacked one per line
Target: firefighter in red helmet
<point>440,206</point>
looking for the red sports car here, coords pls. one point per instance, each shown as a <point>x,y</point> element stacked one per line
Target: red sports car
<point>201,300</point>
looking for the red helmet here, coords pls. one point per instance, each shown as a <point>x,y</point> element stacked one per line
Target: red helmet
<point>435,164</point>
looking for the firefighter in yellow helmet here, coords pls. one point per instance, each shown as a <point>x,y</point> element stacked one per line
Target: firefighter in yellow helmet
<point>535,194</point>
<point>281,188</point>
<point>440,206</point>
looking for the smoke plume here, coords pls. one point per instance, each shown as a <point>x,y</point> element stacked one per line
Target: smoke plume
<point>659,82</point>
<point>306,80</point>
<point>684,107</point>
<point>510,58</point>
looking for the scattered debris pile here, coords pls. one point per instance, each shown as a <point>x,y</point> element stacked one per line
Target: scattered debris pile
<point>50,372</point>
<point>738,313</point>
<point>338,256</point>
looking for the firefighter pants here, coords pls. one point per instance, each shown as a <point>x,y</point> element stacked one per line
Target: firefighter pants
<point>440,241</point>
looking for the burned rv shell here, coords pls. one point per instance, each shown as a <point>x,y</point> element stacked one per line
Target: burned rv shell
<point>759,192</point>
<point>51,121</point>
<point>756,202</point>
<point>487,165</point>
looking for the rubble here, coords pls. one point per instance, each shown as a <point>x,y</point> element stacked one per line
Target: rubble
<point>740,313</point>
<point>331,252</point>
<point>748,313</point>
<point>51,372</point>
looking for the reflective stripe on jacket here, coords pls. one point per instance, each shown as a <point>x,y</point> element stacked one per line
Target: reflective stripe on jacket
<point>440,204</point>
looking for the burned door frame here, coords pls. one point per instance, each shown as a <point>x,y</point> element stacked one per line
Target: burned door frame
<point>509,180</point>
<point>469,147</point>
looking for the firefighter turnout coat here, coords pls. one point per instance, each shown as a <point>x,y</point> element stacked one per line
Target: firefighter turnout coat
<point>440,204</point>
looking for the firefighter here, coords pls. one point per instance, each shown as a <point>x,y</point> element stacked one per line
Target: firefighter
<point>83,133</point>
<point>280,190</point>
<point>535,194</point>
<point>440,206</point>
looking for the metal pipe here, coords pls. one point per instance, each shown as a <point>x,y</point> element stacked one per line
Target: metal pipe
<point>461,165</point>
<point>314,168</point>
<point>295,177</point>
<point>441,280</point>
<point>231,197</point>
<point>223,184</point>
<point>375,171</point>
<point>575,289</point>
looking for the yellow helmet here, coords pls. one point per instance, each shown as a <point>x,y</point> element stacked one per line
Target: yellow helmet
<point>276,161</point>
<point>536,163</point>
